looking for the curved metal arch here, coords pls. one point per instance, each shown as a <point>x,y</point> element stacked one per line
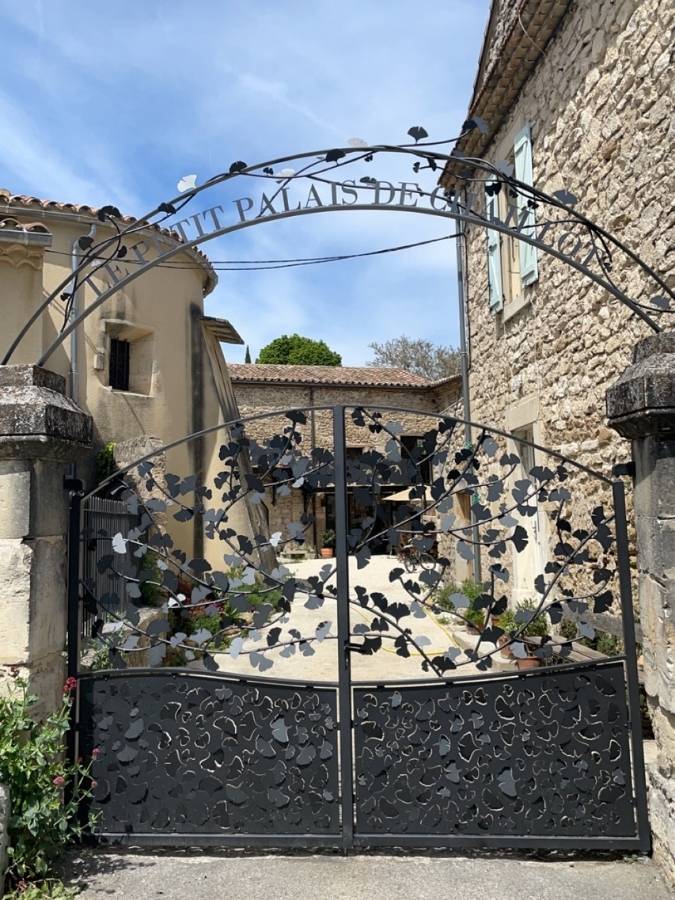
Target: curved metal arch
<point>459,217</point>
<point>351,155</point>
<point>269,414</point>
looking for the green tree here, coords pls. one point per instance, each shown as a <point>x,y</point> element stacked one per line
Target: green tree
<point>416,355</point>
<point>295,350</point>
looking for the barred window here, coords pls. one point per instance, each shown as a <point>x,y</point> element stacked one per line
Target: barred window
<point>119,365</point>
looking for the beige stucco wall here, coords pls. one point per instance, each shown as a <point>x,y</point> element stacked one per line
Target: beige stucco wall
<point>172,391</point>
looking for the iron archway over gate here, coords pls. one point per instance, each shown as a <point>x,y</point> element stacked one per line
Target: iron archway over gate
<point>198,744</point>
<point>194,751</point>
<point>593,251</point>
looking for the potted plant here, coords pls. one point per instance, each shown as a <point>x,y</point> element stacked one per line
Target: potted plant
<point>328,544</point>
<point>535,625</point>
<point>507,622</point>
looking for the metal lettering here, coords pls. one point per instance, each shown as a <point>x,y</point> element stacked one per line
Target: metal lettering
<point>242,210</point>
<point>350,192</point>
<point>409,189</point>
<point>313,195</point>
<point>266,206</point>
<point>390,187</point>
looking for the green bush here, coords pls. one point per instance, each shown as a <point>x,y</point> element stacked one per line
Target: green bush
<point>507,622</point>
<point>151,578</point>
<point>328,539</point>
<point>536,626</point>
<point>568,629</point>
<point>471,589</point>
<point>609,644</point>
<point>475,617</point>
<point>43,820</point>
<point>105,462</point>
<point>441,597</point>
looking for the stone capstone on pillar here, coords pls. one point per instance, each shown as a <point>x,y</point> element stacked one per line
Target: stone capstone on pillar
<point>41,433</point>
<point>641,407</point>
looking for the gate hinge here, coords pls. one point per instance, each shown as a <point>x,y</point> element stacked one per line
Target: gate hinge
<point>76,485</point>
<point>624,469</point>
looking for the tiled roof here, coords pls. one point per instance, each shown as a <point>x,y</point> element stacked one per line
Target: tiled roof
<point>357,376</point>
<point>9,223</point>
<point>505,63</point>
<point>21,202</point>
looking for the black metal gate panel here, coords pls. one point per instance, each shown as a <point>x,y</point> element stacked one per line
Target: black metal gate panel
<point>230,693</point>
<point>198,754</point>
<point>524,756</point>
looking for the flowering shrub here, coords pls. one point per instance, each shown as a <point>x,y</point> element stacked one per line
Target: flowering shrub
<point>43,815</point>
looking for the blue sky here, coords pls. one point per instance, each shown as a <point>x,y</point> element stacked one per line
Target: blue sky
<point>105,103</point>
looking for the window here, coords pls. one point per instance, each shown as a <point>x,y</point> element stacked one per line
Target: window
<point>118,374</point>
<point>412,448</point>
<point>511,263</point>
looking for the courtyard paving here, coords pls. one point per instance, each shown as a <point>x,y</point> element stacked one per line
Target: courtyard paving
<point>322,665</point>
<point>366,877</point>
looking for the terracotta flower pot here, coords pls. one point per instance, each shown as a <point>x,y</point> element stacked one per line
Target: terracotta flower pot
<point>528,662</point>
<point>326,552</point>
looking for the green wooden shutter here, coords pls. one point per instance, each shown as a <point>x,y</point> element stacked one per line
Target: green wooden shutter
<point>494,255</point>
<point>522,152</point>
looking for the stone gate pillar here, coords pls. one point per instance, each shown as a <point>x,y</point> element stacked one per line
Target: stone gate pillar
<point>41,433</point>
<point>641,407</point>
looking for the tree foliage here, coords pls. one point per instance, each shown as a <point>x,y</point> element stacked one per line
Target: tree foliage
<point>295,350</point>
<point>417,355</point>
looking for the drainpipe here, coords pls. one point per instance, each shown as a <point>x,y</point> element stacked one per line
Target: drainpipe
<point>460,249</point>
<point>315,532</point>
<point>74,375</point>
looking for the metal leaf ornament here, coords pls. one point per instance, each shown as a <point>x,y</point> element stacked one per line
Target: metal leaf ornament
<point>187,183</point>
<point>418,133</point>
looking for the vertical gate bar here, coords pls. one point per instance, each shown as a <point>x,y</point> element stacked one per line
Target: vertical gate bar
<point>75,487</point>
<point>344,659</point>
<point>623,561</point>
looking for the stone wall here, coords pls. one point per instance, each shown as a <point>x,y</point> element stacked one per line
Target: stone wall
<point>253,399</point>
<point>600,105</point>
<point>41,433</point>
<point>641,407</point>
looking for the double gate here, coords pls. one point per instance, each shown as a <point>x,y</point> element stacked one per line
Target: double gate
<point>419,699</point>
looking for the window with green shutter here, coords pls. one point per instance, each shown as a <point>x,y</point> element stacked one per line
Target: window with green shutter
<point>522,156</point>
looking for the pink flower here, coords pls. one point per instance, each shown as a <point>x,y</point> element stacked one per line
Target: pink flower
<point>59,780</point>
<point>94,783</point>
<point>70,685</point>
<point>96,752</point>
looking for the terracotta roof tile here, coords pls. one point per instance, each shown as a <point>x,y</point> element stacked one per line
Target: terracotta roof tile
<point>24,202</point>
<point>9,223</point>
<point>357,376</point>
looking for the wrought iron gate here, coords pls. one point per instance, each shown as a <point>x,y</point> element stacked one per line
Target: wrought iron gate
<point>372,734</point>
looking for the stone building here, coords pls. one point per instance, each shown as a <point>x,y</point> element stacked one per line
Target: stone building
<point>415,404</point>
<point>574,94</point>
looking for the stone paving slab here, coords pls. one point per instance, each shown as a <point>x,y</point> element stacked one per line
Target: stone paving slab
<point>324,877</point>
